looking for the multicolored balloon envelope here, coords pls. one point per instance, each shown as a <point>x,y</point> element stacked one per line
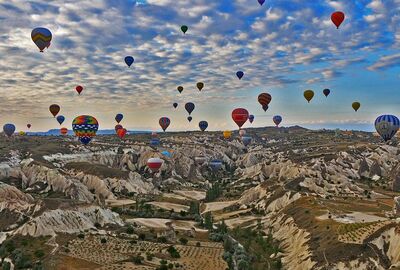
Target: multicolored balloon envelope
<point>166,153</point>
<point>215,164</point>
<point>246,140</point>
<point>41,37</point>
<point>60,119</point>
<point>154,164</point>
<point>164,123</point>
<point>117,127</point>
<point>9,129</point>
<point>63,131</point>
<point>203,125</point>
<point>387,126</point>
<point>240,116</point>
<point>85,128</point>
<point>277,119</point>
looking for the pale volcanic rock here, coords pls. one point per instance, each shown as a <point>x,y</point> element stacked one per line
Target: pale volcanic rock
<point>11,198</point>
<point>388,243</point>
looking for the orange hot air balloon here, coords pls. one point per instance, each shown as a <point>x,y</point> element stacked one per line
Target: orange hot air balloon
<point>63,131</point>
<point>227,134</point>
<point>121,132</point>
<point>54,109</point>
<point>308,95</point>
<point>264,99</point>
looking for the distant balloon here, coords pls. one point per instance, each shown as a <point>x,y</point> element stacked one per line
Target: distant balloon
<point>337,18</point>
<point>63,131</point>
<point>41,37</point>
<point>121,132</point>
<point>277,119</point>
<point>264,99</point>
<point>240,74</point>
<point>175,105</point>
<point>189,107</point>
<point>356,105</point>
<point>180,89</point>
<point>184,28</point>
<point>119,117</point>
<point>246,140</point>
<point>155,142</point>
<point>85,128</point>
<point>265,107</point>
<point>117,127</point>
<point>227,134</point>
<point>200,86</point>
<point>242,132</point>
<point>215,164</point>
<point>190,119</point>
<point>326,92</point>
<point>22,133</point>
<point>166,153</point>
<point>79,89</point>
<point>60,119</point>
<point>387,126</point>
<point>9,129</point>
<point>54,109</point>
<point>28,125</point>
<point>308,95</point>
<point>129,60</point>
<point>251,118</point>
<point>261,2</point>
<point>240,116</point>
<point>164,122</point>
<point>203,125</point>
<point>154,164</point>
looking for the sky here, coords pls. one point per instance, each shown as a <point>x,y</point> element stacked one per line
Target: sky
<point>283,47</point>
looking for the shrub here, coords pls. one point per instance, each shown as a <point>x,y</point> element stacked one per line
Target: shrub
<point>130,230</point>
<point>142,236</point>
<point>81,236</point>
<point>173,252</point>
<point>39,253</point>
<point>183,241</point>
<point>170,266</point>
<point>138,259</point>
<point>162,239</point>
<point>103,240</point>
<point>198,244</point>
<point>149,256</point>
<point>97,225</point>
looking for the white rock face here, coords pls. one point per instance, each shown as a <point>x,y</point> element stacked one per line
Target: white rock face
<point>388,243</point>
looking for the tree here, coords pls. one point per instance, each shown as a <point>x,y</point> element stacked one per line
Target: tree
<point>103,240</point>
<point>130,230</point>
<point>194,208</point>
<point>208,221</point>
<point>183,241</point>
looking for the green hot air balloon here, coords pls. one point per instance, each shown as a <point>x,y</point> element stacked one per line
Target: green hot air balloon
<point>184,28</point>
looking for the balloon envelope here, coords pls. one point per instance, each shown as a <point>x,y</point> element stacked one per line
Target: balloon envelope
<point>155,142</point>
<point>265,107</point>
<point>246,140</point>
<point>85,128</point>
<point>251,118</point>
<point>277,119</point>
<point>28,125</point>
<point>189,107</point>
<point>227,134</point>
<point>337,18</point>
<point>60,119</point>
<point>203,125</point>
<point>240,116</point>
<point>164,122</point>
<point>184,28</point>
<point>190,119</point>
<point>356,105</point>
<point>308,95</point>
<point>154,164</point>
<point>121,132</point>
<point>200,86</point>
<point>387,126</point>
<point>242,132</point>
<point>54,109</point>
<point>117,127</point>
<point>240,74</point>
<point>180,89</point>
<point>129,60</point>
<point>200,160</point>
<point>215,164</point>
<point>264,99</point>
<point>175,105</point>
<point>326,92</point>
<point>41,37</point>
<point>119,117</point>
<point>79,89</point>
<point>9,129</point>
<point>166,153</point>
<point>261,2</point>
<point>63,131</point>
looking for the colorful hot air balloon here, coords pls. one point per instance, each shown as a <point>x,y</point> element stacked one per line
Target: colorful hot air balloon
<point>121,133</point>
<point>54,109</point>
<point>251,118</point>
<point>184,28</point>
<point>41,37</point>
<point>154,164</point>
<point>240,74</point>
<point>227,134</point>
<point>337,18</point>
<point>200,86</point>
<point>240,116</point>
<point>264,99</point>
<point>164,123</point>
<point>79,89</point>
<point>265,107</point>
<point>175,105</point>
<point>155,142</point>
<point>203,125</point>
<point>190,119</point>
<point>356,105</point>
<point>129,60</point>
<point>308,95</point>
<point>261,2</point>
<point>28,125</point>
<point>242,132</point>
<point>63,131</point>
<point>180,89</point>
<point>215,164</point>
<point>118,127</point>
<point>60,119</point>
<point>277,119</point>
<point>246,140</point>
<point>189,107</point>
<point>326,92</point>
<point>85,128</point>
<point>387,126</point>
<point>9,129</point>
<point>119,117</point>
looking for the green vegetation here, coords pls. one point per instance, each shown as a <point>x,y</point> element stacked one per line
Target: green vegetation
<point>183,241</point>
<point>138,259</point>
<point>173,252</point>
<point>214,192</point>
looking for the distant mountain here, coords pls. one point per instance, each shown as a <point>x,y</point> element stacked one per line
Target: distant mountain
<point>56,132</point>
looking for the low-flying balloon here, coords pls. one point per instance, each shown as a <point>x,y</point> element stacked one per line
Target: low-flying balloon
<point>190,119</point>
<point>54,109</point>
<point>277,119</point>
<point>85,128</point>
<point>387,126</point>
<point>79,89</point>
<point>215,164</point>
<point>63,131</point>
<point>246,140</point>
<point>129,60</point>
<point>9,129</point>
<point>337,18</point>
<point>60,119</point>
<point>22,133</point>
<point>242,132</point>
<point>180,89</point>
<point>356,105</point>
<point>175,105</point>
<point>154,164</point>
<point>200,160</point>
<point>203,125</point>
<point>166,153</point>
<point>154,134</point>
<point>251,118</point>
<point>118,127</point>
<point>119,117</point>
<point>189,107</point>
<point>200,85</point>
<point>240,74</point>
<point>121,133</point>
<point>184,28</point>
<point>164,123</point>
<point>41,37</point>
<point>308,95</point>
<point>155,142</point>
<point>240,116</point>
<point>326,92</point>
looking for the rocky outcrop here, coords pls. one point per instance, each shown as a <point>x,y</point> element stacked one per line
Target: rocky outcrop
<point>11,198</point>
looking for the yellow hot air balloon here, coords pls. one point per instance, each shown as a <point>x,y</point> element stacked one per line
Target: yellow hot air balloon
<point>227,134</point>
<point>21,133</point>
<point>308,95</point>
<point>356,105</point>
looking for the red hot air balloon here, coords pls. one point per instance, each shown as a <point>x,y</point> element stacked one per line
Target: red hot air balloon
<point>29,125</point>
<point>121,132</point>
<point>154,164</point>
<point>63,131</point>
<point>240,116</point>
<point>337,18</point>
<point>79,89</point>
<point>54,109</point>
<point>264,99</point>
<point>164,122</point>
<point>117,127</point>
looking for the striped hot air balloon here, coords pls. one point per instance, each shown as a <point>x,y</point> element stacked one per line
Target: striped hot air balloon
<point>264,99</point>
<point>85,128</point>
<point>164,123</point>
<point>387,126</point>
<point>154,164</point>
<point>41,37</point>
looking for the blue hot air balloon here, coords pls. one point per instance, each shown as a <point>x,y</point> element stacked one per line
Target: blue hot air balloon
<point>246,140</point>
<point>9,129</point>
<point>119,117</point>
<point>251,118</point>
<point>60,119</point>
<point>166,153</point>
<point>277,119</point>
<point>203,125</point>
<point>387,126</point>
<point>129,60</point>
<point>189,107</point>
<point>215,164</point>
<point>155,142</point>
<point>189,118</point>
<point>240,74</point>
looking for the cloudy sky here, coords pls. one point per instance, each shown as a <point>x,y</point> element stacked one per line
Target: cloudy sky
<point>284,47</point>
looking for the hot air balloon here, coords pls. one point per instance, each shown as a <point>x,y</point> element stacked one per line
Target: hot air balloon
<point>251,118</point>
<point>154,164</point>
<point>60,119</point>
<point>28,125</point>
<point>166,153</point>
<point>265,107</point>
<point>41,37</point>
<point>227,134</point>
<point>264,99</point>
<point>119,117</point>
<point>203,125</point>
<point>54,109</point>
<point>85,128</point>
<point>326,92</point>
<point>155,142</point>
<point>246,140</point>
<point>240,116</point>
<point>129,60</point>
<point>63,131</point>
<point>337,18</point>
<point>79,89</point>
<point>387,126</point>
<point>117,127</point>
<point>184,28</point>
<point>189,107</point>
<point>240,74</point>
<point>356,105</point>
<point>261,2</point>
<point>9,129</point>
<point>277,119</point>
<point>164,122</point>
<point>175,105</point>
<point>180,89</point>
<point>121,133</point>
<point>308,95</point>
<point>200,86</point>
<point>22,133</point>
<point>215,164</point>
<point>154,134</point>
<point>200,160</point>
<point>242,132</point>
<point>190,119</point>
